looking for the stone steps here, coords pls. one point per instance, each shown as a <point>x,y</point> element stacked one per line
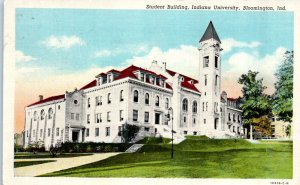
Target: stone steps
<point>134,148</point>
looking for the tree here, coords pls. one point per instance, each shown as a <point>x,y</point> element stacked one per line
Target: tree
<point>283,96</point>
<point>254,102</point>
<point>262,125</point>
<point>129,132</point>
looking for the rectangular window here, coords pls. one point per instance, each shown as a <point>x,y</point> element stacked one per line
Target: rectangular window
<point>108,117</point>
<point>41,132</point>
<point>96,131</point>
<point>135,115</point>
<point>194,121</point>
<point>216,80</point>
<point>203,105</point>
<point>184,119</point>
<point>205,80</point>
<point>146,117</point>
<point>195,133</point>
<point>107,131</point>
<point>98,118</point>
<point>49,131</point>
<point>72,116</point>
<point>216,62</point>
<point>185,132</point>
<point>142,77</point>
<point>204,121</point>
<point>87,132</point>
<point>121,115</point>
<point>206,61</point>
<point>77,116</point>
<point>206,106</point>
<point>88,119</point>
<point>57,131</point>
<point>146,129</point>
<point>119,130</point>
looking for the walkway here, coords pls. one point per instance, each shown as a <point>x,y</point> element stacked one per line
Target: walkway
<point>59,164</point>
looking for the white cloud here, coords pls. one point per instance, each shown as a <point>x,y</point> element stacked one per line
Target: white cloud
<point>240,63</point>
<point>230,43</point>
<point>21,57</point>
<point>183,59</point>
<point>129,49</point>
<point>64,42</point>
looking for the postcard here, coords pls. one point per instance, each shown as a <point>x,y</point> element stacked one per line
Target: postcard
<point>170,92</point>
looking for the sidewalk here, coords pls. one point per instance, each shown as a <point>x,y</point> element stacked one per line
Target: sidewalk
<point>59,164</point>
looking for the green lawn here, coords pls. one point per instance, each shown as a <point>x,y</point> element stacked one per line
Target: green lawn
<point>29,163</point>
<point>196,157</point>
<point>46,155</point>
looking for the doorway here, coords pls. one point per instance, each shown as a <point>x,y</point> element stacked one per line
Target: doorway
<point>75,135</point>
<point>157,118</point>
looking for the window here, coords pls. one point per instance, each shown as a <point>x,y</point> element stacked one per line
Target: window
<point>98,100</point>
<point>62,132</point>
<point>147,98</point>
<point>88,119</point>
<point>87,132</point>
<point>72,115</point>
<point>135,96</point>
<point>89,102</point>
<point>108,98</point>
<point>204,121</point>
<point>41,132</point>
<point>229,118</point>
<point>233,128</point>
<point>108,117</point>
<point>206,106</point>
<point>50,113</point>
<point>107,131</point>
<point>98,118</point>
<point>203,104</point>
<point>42,114</point>
<point>167,103</point>
<point>33,133</point>
<point>233,117</point>
<point>185,105</point>
<point>121,95</point>
<point>184,119</point>
<point>194,121</point>
<point>216,62</point>
<point>57,131</point>
<point>146,117</point>
<point>119,130</point>
<point>206,61</point>
<point>75,102</point>
<point>77,116</point>
<point>34,115</point>
<point>96,131</point>
<point>142,77</point>
<point>146,129</point>
<point>58,107</point>
<point>157,101</point>
<point>121,115</point>
<point>185,132</point>
<point>216,80</point>
<point>195,107</point>
<point>195,133</point>
<point>205,80</point>
<point>49,130</point>
<point>135,115</point>
<point>27,133</point>
<point>239,119</point>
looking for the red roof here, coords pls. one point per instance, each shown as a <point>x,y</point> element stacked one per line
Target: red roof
<point>186,82</point>
<point>89,85</point>
<point>232,99</point>
<point>113,71</point>
<point>51,98</point>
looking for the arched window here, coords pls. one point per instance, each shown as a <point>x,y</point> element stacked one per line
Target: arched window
<point>108,98</point>
<point>89,102</point>
<point>34,115</point>
<point>42,114</point>
<point>185,105</point>
<point>195,107</point>
<point>50,113</point>
<point>229,118</point>
<point>121,95</point>
<point>239,119</point>
<point>233,118</point>
<point>135,96</point>
<point>147,98</point>
<point>157,101</point>
<point>167,103</point>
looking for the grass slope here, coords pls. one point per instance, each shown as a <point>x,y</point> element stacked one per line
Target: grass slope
<point>30,163</point>
<point>196,157</point>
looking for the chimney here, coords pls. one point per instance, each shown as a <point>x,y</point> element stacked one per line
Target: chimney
<point>164,66</point>
<point>40,97</point>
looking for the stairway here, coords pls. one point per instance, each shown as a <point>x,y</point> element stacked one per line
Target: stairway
<point>134,148</point>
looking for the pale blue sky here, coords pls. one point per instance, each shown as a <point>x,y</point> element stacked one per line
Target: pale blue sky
<point>126,30</point>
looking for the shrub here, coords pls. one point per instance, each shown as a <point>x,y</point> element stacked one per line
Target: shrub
<point>90,147</point>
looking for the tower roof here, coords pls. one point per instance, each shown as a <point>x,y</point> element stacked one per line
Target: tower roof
<point>210,33</point>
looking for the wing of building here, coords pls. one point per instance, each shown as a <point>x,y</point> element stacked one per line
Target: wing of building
<point>143,97</point>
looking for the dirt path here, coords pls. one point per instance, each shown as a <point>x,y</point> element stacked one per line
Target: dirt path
<point>59,164</point>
